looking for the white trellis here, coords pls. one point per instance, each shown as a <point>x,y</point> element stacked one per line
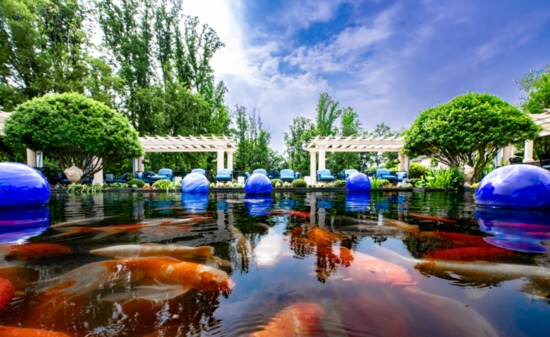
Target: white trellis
<point>322,145</point>
<point>542,120</point>
<point>218,144</point>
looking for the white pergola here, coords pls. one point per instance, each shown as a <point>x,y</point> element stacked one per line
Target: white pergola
<point>218,144</point>
<point>543,120</point>
<point>322,145</point>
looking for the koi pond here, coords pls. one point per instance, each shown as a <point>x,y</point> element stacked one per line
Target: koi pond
<point>289,264</point>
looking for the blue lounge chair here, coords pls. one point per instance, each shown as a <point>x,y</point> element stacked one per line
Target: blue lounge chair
<point>386,174</point>
<point>324,175</point>
<point>349,172</point>
<point>122,179</point>
<point>401,176</point>
<point>289,175</point>
<point>224,175</point>
<point>109,178</point>
<point>260,171</point>
<point>199,170</point>
<point>164,173</point>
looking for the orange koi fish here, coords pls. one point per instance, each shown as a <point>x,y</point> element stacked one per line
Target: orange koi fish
<point>322,237</point>
<point>301,319</point>
<point>20,277</point>
<point>432,218</point>
<point>366,268</point>
<point>12,331</point>
<point>153,278</point>
<point>467,254</point>
<point>7,291</point>
<point>298,214</point>
<point>36,250</point>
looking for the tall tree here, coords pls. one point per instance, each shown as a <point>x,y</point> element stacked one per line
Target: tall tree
<point>327,114</point>
<point>350,126</point>
<point>44,48</point>
<point>300,132</point>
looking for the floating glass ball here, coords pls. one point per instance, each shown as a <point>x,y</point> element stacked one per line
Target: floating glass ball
<point>515,186</point>
<point>18,225</point>
<point>258,184</point>
<point>22,186</point>
<point>195,183</point>
<point>357,201</point>
<point>513,229</point>
<point>358,182</point>
<point>258,205</point>
<point>195,202</point>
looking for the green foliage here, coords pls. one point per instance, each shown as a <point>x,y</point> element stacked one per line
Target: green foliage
<point>339,183</point>
<point>350,126</point>
<point>379,183</point>
<point>81,189</point>
<point>445,178</point>
<point>73,129</point>
<point>539,98</point>
<point>327,113</point>
<point>417,171</point>
<point>252,141</point>
<point>468,130</point>
<point>276,182</point>
<point>300,132</point>
<point>299,183</point>
<point>135,183</point>
<point>162,184</point>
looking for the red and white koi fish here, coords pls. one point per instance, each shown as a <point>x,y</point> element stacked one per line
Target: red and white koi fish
<point>301,319</point>
<point>36,250</point>
<point>369,269</point>
<point>13,331</point>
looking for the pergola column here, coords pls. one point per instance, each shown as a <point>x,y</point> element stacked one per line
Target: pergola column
<point>506,155</point>
<point>401,158</point>
<point>312,167</point>
<point>322,160</point>
<point>31,158</point>
<point>220,160</point>
<point>98,176</point>
<point>528,154</point>
<point>140,166</point>
<point>230,160</point>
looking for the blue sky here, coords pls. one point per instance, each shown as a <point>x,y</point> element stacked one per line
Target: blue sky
<point>388,60</point>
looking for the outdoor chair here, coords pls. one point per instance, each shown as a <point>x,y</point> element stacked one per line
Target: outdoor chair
<point>288,175</point>
<point>349,172</point>
<point>122,179</point>
<point>386,174</point>
<point>199,170</point>
<point>324,175</point>
<point>401,176</point>
<point>516,160</point>
<point>109,178</point>
<point>545,161</point>
<point>260,171</point>
<point>273,175</point>
<point>164,173</point>
<point>224,175</point>
<point>146,176</point>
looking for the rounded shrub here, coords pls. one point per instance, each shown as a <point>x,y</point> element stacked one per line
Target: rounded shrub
<point>299,183</point>
<point>135,182</point>
<point>417,171</point>
<point>339,183</point>
<point>276,183</point>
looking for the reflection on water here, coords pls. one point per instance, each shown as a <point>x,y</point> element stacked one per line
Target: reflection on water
<point>315,264</point>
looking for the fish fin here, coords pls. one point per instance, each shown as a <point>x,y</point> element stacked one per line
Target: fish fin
<point>156,292</point>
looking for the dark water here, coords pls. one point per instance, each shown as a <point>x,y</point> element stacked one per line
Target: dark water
<point>326,264</point>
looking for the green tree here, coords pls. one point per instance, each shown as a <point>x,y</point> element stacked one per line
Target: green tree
<point>44,48</point>
<point>539,97</point>
<point>327,114</point>
<point>468,130</point>
<point>300,132</point>
<point>252,141</point>
<point>350,126</point>
<point>73,130</point>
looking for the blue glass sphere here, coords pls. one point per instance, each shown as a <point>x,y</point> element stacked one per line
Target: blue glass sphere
<point>358,182</point>
<point>195,202</point>
<point>515,186</point>
<point>513,229</point>
<point>195,183</point>
<point>18,225</point>
<point>258,184</point>
<point>357,201</point>
<point>258,205</point>
<point>22,186</point>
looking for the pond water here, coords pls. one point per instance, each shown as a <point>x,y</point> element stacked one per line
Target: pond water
<point>306,264</point>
